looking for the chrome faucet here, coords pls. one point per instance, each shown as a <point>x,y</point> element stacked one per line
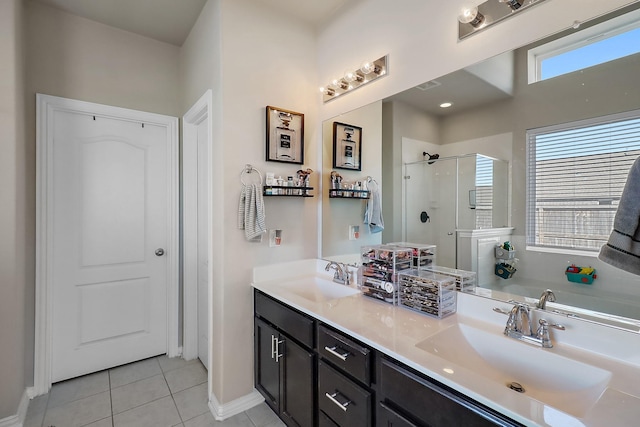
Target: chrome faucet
<point>341,275</point>
<point>519,326</point>
<point>547,296</point>
<point>519,321</point>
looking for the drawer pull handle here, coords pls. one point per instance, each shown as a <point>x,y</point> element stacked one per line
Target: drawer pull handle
<point>332,397</point>
<point>341,356</point>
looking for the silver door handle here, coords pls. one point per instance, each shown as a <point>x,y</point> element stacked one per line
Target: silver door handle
<point>159,252</point>
<point>450,233</point>
<point>332,397</point>
<point>278,355</point>
<point>273,346</point>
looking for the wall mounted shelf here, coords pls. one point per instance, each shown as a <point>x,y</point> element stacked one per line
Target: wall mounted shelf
<point>349,194</point>
<point>286,191</point>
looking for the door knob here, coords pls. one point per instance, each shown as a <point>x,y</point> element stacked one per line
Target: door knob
<point>159,252</point>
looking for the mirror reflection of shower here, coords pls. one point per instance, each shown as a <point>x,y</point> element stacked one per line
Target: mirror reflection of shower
<point>459,193</point>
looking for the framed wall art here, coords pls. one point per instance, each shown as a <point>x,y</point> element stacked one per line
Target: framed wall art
<point>347,146</point>
<point>285,136</point>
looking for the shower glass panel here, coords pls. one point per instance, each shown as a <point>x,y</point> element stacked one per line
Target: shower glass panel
<point>431,188</point>
<point>457,193</point>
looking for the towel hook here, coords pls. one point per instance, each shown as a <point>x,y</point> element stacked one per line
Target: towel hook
<point>248,169</point>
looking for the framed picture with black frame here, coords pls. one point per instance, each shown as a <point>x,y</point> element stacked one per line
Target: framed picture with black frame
<point>285,136</point>
<point>347,146</point>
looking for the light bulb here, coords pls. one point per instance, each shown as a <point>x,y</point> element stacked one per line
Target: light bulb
<point>513,4</point>
<point>367,67</point>
<point>469,15</point>
<point>349,76</point>
<point>327,91</point>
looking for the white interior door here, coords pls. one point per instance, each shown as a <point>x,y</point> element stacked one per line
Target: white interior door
<point>203,243</point>
<point>110,237</point>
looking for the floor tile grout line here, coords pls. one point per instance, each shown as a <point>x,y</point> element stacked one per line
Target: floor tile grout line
<point>138,406</point>
<point>137,381</point>
<point>171,394</point>
<point>110,396</point>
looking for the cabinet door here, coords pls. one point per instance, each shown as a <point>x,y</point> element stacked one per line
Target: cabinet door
<point>267,369</point>
<point>298,392</point>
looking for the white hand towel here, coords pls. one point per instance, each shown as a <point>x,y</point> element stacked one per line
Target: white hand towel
<point>623,248</point>
<point>251,215</point>
<point>373,212</point>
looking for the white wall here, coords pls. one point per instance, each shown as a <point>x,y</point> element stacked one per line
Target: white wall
<point>77,58</point>
<point>339,214</point>
<point>251,57</point>
<point>16,264</point>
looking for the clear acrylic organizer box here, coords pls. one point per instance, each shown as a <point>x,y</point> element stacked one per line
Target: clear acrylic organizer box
<point>427,292</point>
<point>379,271</point>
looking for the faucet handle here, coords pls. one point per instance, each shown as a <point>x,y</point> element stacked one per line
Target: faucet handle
<point>543,332</point>
<point>552,325</point>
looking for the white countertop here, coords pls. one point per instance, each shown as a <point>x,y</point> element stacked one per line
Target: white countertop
<point>396,331</point>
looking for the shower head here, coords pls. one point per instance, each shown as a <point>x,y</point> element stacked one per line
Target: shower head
<point>432,157</point>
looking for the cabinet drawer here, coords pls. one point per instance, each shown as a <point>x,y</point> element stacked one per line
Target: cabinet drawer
<point>417,398</point>
<point>345,354</point>
<point>325,421</point>
<point>295,324</point>
<point>389,417</point>
<point>344,401</point>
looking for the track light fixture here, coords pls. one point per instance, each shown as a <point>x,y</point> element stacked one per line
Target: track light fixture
<point>476,15</point>
<point>366,73</point>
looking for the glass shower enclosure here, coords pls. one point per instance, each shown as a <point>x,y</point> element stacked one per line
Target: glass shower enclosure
<point>444,196</point>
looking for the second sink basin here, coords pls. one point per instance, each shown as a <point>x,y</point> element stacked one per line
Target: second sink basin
<point>562,383</point>
<point>318,289</point>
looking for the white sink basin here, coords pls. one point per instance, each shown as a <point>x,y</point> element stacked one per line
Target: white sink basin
<point>565,384</point>
<point>317,289</point>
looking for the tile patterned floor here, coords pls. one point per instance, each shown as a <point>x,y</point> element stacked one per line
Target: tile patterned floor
<point>156,392</point>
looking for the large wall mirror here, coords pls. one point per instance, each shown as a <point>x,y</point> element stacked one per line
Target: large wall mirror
<point>493,106</point>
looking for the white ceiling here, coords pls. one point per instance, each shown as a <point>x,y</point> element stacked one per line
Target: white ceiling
<point>171,21</point>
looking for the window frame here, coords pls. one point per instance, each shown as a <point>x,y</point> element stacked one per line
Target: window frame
<point>530,182</point>
<point>582,38</point>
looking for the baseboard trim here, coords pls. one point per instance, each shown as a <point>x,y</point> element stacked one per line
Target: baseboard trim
<point>17,420</point>
<point>223,411</point>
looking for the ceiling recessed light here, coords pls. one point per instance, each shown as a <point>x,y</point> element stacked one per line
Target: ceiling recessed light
<point>446,105</point>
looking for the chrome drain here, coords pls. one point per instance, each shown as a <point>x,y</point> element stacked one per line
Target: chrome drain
<point>516,387</point>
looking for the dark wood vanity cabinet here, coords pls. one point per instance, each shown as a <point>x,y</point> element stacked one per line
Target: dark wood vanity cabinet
<point>314,375</point>
<point>285,363</point>
<point>410,399</point>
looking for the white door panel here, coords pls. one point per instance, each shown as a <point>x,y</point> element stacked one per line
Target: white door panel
<point>109,293</point>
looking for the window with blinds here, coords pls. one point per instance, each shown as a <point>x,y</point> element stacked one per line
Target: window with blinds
<point>575,176</point>
<point>484,192</point>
